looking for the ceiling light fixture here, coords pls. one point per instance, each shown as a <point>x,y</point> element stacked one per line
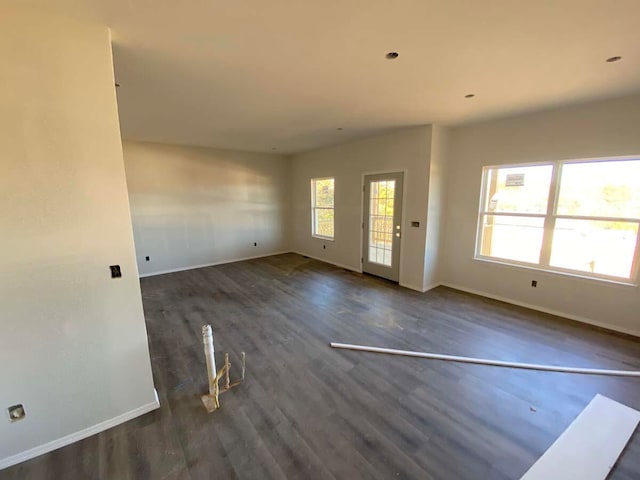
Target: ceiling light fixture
<point>392,55</point>
<point>614,59</point>
<point>470,95</point>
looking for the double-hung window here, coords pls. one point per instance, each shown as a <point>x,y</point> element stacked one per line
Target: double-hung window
<point>322,207</point>
<point>577,216</point>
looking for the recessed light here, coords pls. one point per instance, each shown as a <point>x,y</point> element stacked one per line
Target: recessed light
<point>614,59</point>
<point>392,55</point>
<point>470,95</point>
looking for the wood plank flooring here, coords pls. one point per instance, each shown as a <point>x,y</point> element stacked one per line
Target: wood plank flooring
<point>309,412</point>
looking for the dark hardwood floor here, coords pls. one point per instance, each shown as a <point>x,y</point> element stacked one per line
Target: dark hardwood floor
<point>309,412</point>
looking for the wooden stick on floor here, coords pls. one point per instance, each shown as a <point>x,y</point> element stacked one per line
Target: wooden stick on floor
<point>238,382</point>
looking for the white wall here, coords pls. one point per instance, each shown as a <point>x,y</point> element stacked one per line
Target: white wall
<point>405,150</point>
<point>199,206</point>
<point>435,206</point>
<point>598,129</point>
<point>73,344</point>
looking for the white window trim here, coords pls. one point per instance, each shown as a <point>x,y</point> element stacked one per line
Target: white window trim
<point>314,208</point>
<point>550,219</point>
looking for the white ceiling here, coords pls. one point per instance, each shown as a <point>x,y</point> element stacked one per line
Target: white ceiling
<point>258,74</point>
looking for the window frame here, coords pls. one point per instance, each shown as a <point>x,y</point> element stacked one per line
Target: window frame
<point>550,218</point>
<point>314,208</point>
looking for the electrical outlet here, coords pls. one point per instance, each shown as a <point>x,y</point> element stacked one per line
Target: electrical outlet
<point>146,258</point>
<point>16,412</point>
<point>534,283</point>
<point>115,271</point>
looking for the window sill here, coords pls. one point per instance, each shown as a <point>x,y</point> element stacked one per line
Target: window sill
<point>327,239</point>
<point>577,276</point>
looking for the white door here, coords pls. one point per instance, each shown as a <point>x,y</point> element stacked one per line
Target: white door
<point>382,225</point>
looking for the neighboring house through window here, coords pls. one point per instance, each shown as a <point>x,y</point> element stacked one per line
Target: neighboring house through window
<point>577,216</point>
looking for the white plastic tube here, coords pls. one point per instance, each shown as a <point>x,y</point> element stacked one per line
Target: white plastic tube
<point>207,339</point>
<point>482,361</point>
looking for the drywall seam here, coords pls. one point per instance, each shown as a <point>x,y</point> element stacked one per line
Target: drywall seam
<point>80,435</point>
<point>204,265</point>
<point>484,361</point>
<point>324,260</point>
<point>577,318</point>
<point>589,448</point>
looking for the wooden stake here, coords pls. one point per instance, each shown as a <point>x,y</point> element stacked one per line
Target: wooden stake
<point>227,366</point>
<point>212,400</point>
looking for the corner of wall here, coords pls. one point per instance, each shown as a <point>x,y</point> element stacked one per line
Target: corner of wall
<point>289,162</point>
<point>64,190</point>
<point>435,207</point>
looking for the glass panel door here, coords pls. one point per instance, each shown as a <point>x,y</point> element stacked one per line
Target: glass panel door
<point>382,225</point>
<point>381,221</point>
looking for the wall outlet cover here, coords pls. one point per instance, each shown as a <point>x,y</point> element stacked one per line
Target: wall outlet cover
<point>16,412</point>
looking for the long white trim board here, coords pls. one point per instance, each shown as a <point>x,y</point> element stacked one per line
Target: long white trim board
<point>589,448</point>
<point>484,361</point>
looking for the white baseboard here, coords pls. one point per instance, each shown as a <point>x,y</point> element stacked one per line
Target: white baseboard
<point>430,287</point>
<point>76,436</point>
<point>346,267</point>
<point>411,287</point>
<point>558,313</point>
<point>417,289</point>
<point>204,265</point>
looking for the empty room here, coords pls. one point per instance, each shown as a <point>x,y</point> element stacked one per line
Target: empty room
<point>320,240</point>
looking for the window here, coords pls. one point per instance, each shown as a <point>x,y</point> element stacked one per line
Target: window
<point>322,213</point>
<point>381,214</point>
<point>577,217</point>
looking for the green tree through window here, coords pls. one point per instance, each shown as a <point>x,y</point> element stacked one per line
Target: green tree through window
<point>322,206</point>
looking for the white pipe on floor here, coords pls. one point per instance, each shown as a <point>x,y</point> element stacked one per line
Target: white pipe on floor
<point>482,361</point>
<point>207,339</point>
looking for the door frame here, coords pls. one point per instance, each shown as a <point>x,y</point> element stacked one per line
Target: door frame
<point>403,216</point>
